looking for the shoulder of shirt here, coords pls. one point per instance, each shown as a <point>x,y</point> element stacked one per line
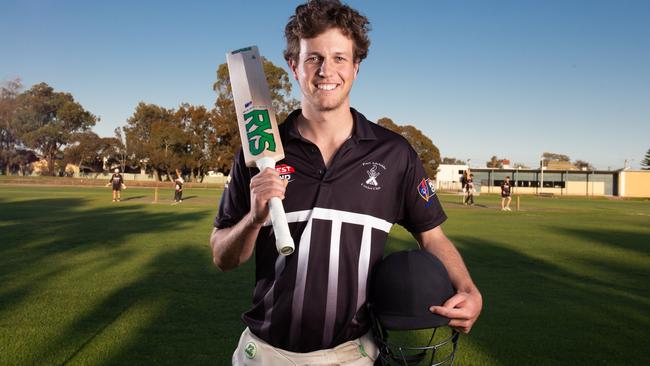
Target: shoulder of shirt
<point>386,136</point>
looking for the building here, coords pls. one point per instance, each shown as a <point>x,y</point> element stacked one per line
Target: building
<point>622,183</point>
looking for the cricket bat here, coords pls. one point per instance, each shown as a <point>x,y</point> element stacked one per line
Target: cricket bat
<point>258,129</point>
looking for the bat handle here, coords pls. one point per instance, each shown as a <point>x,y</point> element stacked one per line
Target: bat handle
<point>283,240</point>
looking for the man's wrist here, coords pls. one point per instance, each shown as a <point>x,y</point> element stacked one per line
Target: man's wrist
<point>253,221</point>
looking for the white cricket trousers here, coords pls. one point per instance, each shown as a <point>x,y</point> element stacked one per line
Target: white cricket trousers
<point>252,351</point>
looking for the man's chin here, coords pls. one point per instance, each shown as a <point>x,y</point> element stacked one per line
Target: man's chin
<point>329,107</point>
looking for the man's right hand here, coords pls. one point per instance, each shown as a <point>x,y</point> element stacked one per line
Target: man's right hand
<point>263,186</point>
<point>233,246</point>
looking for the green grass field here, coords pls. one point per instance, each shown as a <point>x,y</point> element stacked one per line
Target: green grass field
<point>85,281</point>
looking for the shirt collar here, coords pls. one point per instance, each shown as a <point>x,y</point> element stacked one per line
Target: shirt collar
<point>362,129</point>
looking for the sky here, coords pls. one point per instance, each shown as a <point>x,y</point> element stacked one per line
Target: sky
<point>480,78</point>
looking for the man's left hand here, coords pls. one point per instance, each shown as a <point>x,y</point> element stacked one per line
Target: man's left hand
<point>462,310</point>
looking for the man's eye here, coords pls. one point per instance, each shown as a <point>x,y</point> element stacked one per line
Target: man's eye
<point>339,59</point>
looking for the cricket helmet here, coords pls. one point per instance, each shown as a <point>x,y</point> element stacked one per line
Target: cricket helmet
<point>117,170</point>
<point>404,285</point>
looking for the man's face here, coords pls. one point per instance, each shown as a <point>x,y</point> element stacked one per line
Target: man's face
<point>325,70</point>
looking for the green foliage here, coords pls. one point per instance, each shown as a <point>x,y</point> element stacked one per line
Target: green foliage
<point>452,161</point>
<point>154,138</point>
<point>196,124</point>
<point>46,120</point>
<point>583,165</point>
<point>645,164</point>
<point>12,156</point>
<point>549,156</point>
<point>494,163</point>
<point>423,146</point>
<point>88,150</point>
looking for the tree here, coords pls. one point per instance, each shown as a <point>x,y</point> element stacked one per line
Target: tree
<point>645,163</point>
<point>494,163</point>
<point>549,156</point>
<point>9,155</point>
<point>427,152</point>
<point>87,149</point>
<point>121,149</point>
<point>583,165</point>
<point>452,161</point>
<point>45,120</point>
<point>197,125</point>
<point>225,141</point>
<point>154,138</point>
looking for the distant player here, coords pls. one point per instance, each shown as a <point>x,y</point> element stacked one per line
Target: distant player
<point>118,183</point>
<point>469,194</point>
<point>178,189</point>
<point>506,192</point>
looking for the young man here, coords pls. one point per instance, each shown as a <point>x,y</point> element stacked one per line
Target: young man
<point>118,183</point>
<point>506,192</point>
<point>351,180</point>
<point>469,198</point>
<point>178,189</point>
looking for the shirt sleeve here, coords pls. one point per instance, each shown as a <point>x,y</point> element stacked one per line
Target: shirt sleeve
<point>235,200</point>
<point>421,209</point>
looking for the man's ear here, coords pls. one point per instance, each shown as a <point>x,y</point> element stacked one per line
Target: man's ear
<point>356,69</point>
<point>293,67</point>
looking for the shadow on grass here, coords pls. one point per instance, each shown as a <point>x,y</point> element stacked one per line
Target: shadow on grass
<point>638,242</point>
<point>133,198</point>
<point>178,309</point>
<point>536,313</point>
<point>189,314</point>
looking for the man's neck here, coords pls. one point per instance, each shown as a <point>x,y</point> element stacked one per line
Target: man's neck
<point>329,127</point>
<point>327,130</point>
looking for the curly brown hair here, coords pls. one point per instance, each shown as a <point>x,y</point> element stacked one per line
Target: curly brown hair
<point>316,16</point>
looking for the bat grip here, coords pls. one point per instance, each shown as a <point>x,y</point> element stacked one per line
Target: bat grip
<point>283,240</point>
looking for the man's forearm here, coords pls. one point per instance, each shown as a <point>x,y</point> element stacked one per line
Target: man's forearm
<point>233,246</point>
<point>439,245</point>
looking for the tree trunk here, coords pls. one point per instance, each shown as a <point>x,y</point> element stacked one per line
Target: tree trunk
<point>156,175</point>
<point>50,164</point>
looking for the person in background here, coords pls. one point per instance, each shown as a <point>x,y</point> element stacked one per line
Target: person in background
<point>506,193</point>
<point>178,188</point>
<point>117,181</point>
<point>469,194</point>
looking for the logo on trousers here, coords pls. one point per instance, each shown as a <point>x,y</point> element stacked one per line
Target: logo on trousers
<point>250,350</point>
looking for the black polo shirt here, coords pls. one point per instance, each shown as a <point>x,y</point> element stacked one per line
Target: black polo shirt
<point>339,218</point>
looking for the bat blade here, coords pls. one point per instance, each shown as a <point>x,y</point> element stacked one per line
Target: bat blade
<point>258,129</point>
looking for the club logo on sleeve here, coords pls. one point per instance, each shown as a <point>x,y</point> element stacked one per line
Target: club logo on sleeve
<point>286,171</point>
<point>426,190</point>
<point>373,172</point>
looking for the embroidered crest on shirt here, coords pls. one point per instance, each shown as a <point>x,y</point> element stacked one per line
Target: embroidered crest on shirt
<point>426,190</point>
<point>373,171</point>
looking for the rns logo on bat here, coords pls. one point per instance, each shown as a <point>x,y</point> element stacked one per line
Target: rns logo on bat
<point>258,131</point>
